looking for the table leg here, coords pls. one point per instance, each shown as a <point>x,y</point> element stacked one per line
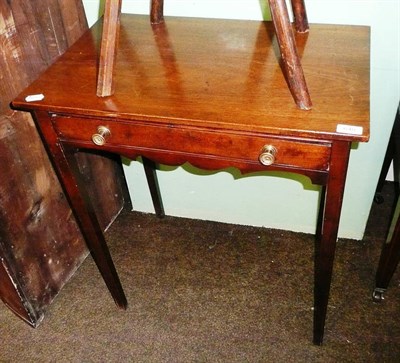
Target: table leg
<point>392,155</point>
<point>290,59</point>
<point>152,181</point>
<point>65,165</point>
<point>331,203</point>
<point>390,257</point>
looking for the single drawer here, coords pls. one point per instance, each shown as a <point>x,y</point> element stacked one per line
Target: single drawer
<point>216,143</point>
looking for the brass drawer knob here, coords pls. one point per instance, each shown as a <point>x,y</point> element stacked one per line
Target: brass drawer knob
<point>101,136</point>
<point>267,156</point>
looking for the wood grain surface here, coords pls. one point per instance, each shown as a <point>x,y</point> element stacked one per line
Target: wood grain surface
<point>224,74</point>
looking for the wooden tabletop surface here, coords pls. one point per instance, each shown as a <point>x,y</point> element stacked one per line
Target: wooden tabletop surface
<point>221,74</point>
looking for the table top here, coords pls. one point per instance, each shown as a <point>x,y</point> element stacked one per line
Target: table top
<point>213,73</point>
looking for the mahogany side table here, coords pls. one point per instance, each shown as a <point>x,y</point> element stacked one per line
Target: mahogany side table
<point>209,92</point>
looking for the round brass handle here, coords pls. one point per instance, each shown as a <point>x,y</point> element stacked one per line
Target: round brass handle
<point>101,136</point>
<point>267,156</point>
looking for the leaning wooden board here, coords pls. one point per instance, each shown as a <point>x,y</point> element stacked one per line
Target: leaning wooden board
<point>40,243</point>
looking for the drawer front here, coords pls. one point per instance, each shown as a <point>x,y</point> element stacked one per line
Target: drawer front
<point>308,154</point>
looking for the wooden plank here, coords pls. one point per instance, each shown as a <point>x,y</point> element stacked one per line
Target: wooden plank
<point>48,15</point>
<point>10,293</point>
<point>29,40</point>
<point>40,244</point>
<point>73,18</point>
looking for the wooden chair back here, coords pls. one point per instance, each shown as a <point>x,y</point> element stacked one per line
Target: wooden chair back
<point>291,64</point>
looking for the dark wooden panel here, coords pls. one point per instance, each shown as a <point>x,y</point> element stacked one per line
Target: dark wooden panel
<point>40,244</point>
<point>10,294</point>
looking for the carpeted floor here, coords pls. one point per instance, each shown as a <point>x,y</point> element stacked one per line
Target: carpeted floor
<point>208,292</point>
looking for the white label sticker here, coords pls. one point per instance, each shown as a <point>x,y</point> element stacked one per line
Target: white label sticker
<point>349,129</point>
<point>32,98</point>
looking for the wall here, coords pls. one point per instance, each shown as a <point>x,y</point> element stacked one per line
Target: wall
<point>274,201</point>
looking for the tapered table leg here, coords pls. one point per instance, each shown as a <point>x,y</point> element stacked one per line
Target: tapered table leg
<point>65,165</point>
<point>390,257</point>
<point>326,240</point>
<point>152,181</point>
<point>392,155</point>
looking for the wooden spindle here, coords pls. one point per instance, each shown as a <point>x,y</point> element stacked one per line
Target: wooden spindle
<point>109,47</point>
<point>290,58</point>
<point>300,16</point>
<point>157,11</point>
